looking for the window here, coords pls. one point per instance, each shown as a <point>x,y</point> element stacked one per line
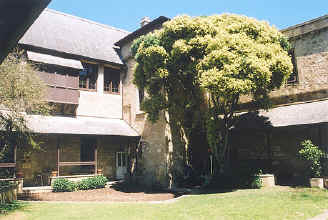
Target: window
<point>88,76</point>
<point>111,81</point>
<point>293,78</point>
<point>87,150</point>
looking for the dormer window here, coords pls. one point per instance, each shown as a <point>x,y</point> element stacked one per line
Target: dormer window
<point>88,77</point>
<point>111,81</point>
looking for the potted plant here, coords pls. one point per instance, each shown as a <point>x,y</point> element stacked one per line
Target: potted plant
<point>100,171</point>
<point>312,155</point>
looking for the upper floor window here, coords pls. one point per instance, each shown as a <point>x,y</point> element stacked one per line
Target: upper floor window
<point>88,76</point>
<point>293,78</point>
<point>111,81</point>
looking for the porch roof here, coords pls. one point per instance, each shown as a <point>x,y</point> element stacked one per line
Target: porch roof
<point>298,114</point>
<point>49,59</point>
<point>291,115</point>
<point>79,126</point>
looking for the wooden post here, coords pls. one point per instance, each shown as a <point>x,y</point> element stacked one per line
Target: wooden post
<point>15,161</point>
<point>96,160</point>
<point>15,151</point>
<point>58,155</point>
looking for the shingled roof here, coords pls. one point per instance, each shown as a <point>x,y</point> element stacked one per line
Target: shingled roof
<point>70,35</point>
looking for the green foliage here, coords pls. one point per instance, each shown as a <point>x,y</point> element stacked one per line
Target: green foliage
<point>219,57</point>
<point>312,154</point>
<point>63,185</point>
<point>21,90</point>
<point>96,182</point>
<point>10,207</point>
<point>6,186</point>
<point>256,182</point>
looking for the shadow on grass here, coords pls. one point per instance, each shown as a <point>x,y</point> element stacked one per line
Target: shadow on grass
<point>127,187</point>
<point>177,192</point>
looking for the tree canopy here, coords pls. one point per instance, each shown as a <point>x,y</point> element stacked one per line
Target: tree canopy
<point>21,92</point>
<point>219,58</point>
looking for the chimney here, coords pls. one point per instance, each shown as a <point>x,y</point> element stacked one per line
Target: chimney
<point>144,21</point>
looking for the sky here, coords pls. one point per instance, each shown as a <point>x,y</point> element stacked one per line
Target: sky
<point>127,14</point>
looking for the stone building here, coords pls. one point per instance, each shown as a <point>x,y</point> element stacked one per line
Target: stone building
<point>78,61</point>
<point>272,139</point>
<point>98,123</point>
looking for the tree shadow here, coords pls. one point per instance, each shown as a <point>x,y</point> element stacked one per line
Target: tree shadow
<point>127,187</point>
<point>252,120</point>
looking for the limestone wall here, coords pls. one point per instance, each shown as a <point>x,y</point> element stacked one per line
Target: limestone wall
<point>96,104</point>
<point>275,151</point>
<point>45,160</point>
<point>99,104</point>
<point>155,151</point>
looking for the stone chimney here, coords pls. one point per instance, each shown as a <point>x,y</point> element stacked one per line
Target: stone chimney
<point>144,21</point>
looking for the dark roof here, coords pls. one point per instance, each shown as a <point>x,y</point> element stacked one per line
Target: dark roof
<point>16,16</point>
<point>155,24</point>
<point>70,35</point>
<point>306,27</point>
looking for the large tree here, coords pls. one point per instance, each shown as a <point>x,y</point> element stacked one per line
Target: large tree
<point>219,58</point>
<point>246,58</point>
<point>21,92</point>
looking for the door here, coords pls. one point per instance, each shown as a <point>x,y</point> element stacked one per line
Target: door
<point>121,164</point>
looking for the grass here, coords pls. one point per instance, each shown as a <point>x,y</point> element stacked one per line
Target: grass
<point>275,203</point>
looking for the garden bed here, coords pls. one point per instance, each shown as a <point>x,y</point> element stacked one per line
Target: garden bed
<point>102,195</point>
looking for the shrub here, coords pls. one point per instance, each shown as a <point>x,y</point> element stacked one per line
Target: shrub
<point>240,177</point>
<point>96,182</point>
<point>9,207</point>
<point>312,154</point>
<point>63,185</point>
<point>256,181</point>
<point>83,184</point>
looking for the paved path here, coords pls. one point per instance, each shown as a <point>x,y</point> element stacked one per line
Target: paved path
<point>112,202</point>
<point>323,216</point>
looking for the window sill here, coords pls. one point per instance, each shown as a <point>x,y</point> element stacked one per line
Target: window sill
<point>140,113</point>
<point>88,90</point>
<point>112,93</point>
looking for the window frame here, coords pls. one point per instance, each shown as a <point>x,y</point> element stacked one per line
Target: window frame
<point>89,76</point>
<point>110,84</point>
<point>87,149</point>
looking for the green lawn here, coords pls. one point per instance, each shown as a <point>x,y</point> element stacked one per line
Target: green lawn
<point>276,203</point>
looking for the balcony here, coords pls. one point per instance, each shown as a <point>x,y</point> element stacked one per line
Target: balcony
<point>61,88</point>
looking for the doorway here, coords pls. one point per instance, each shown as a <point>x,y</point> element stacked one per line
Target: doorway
<point>121,164</point>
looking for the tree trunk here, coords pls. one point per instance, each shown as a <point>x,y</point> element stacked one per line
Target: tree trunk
<point>178,155</point>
